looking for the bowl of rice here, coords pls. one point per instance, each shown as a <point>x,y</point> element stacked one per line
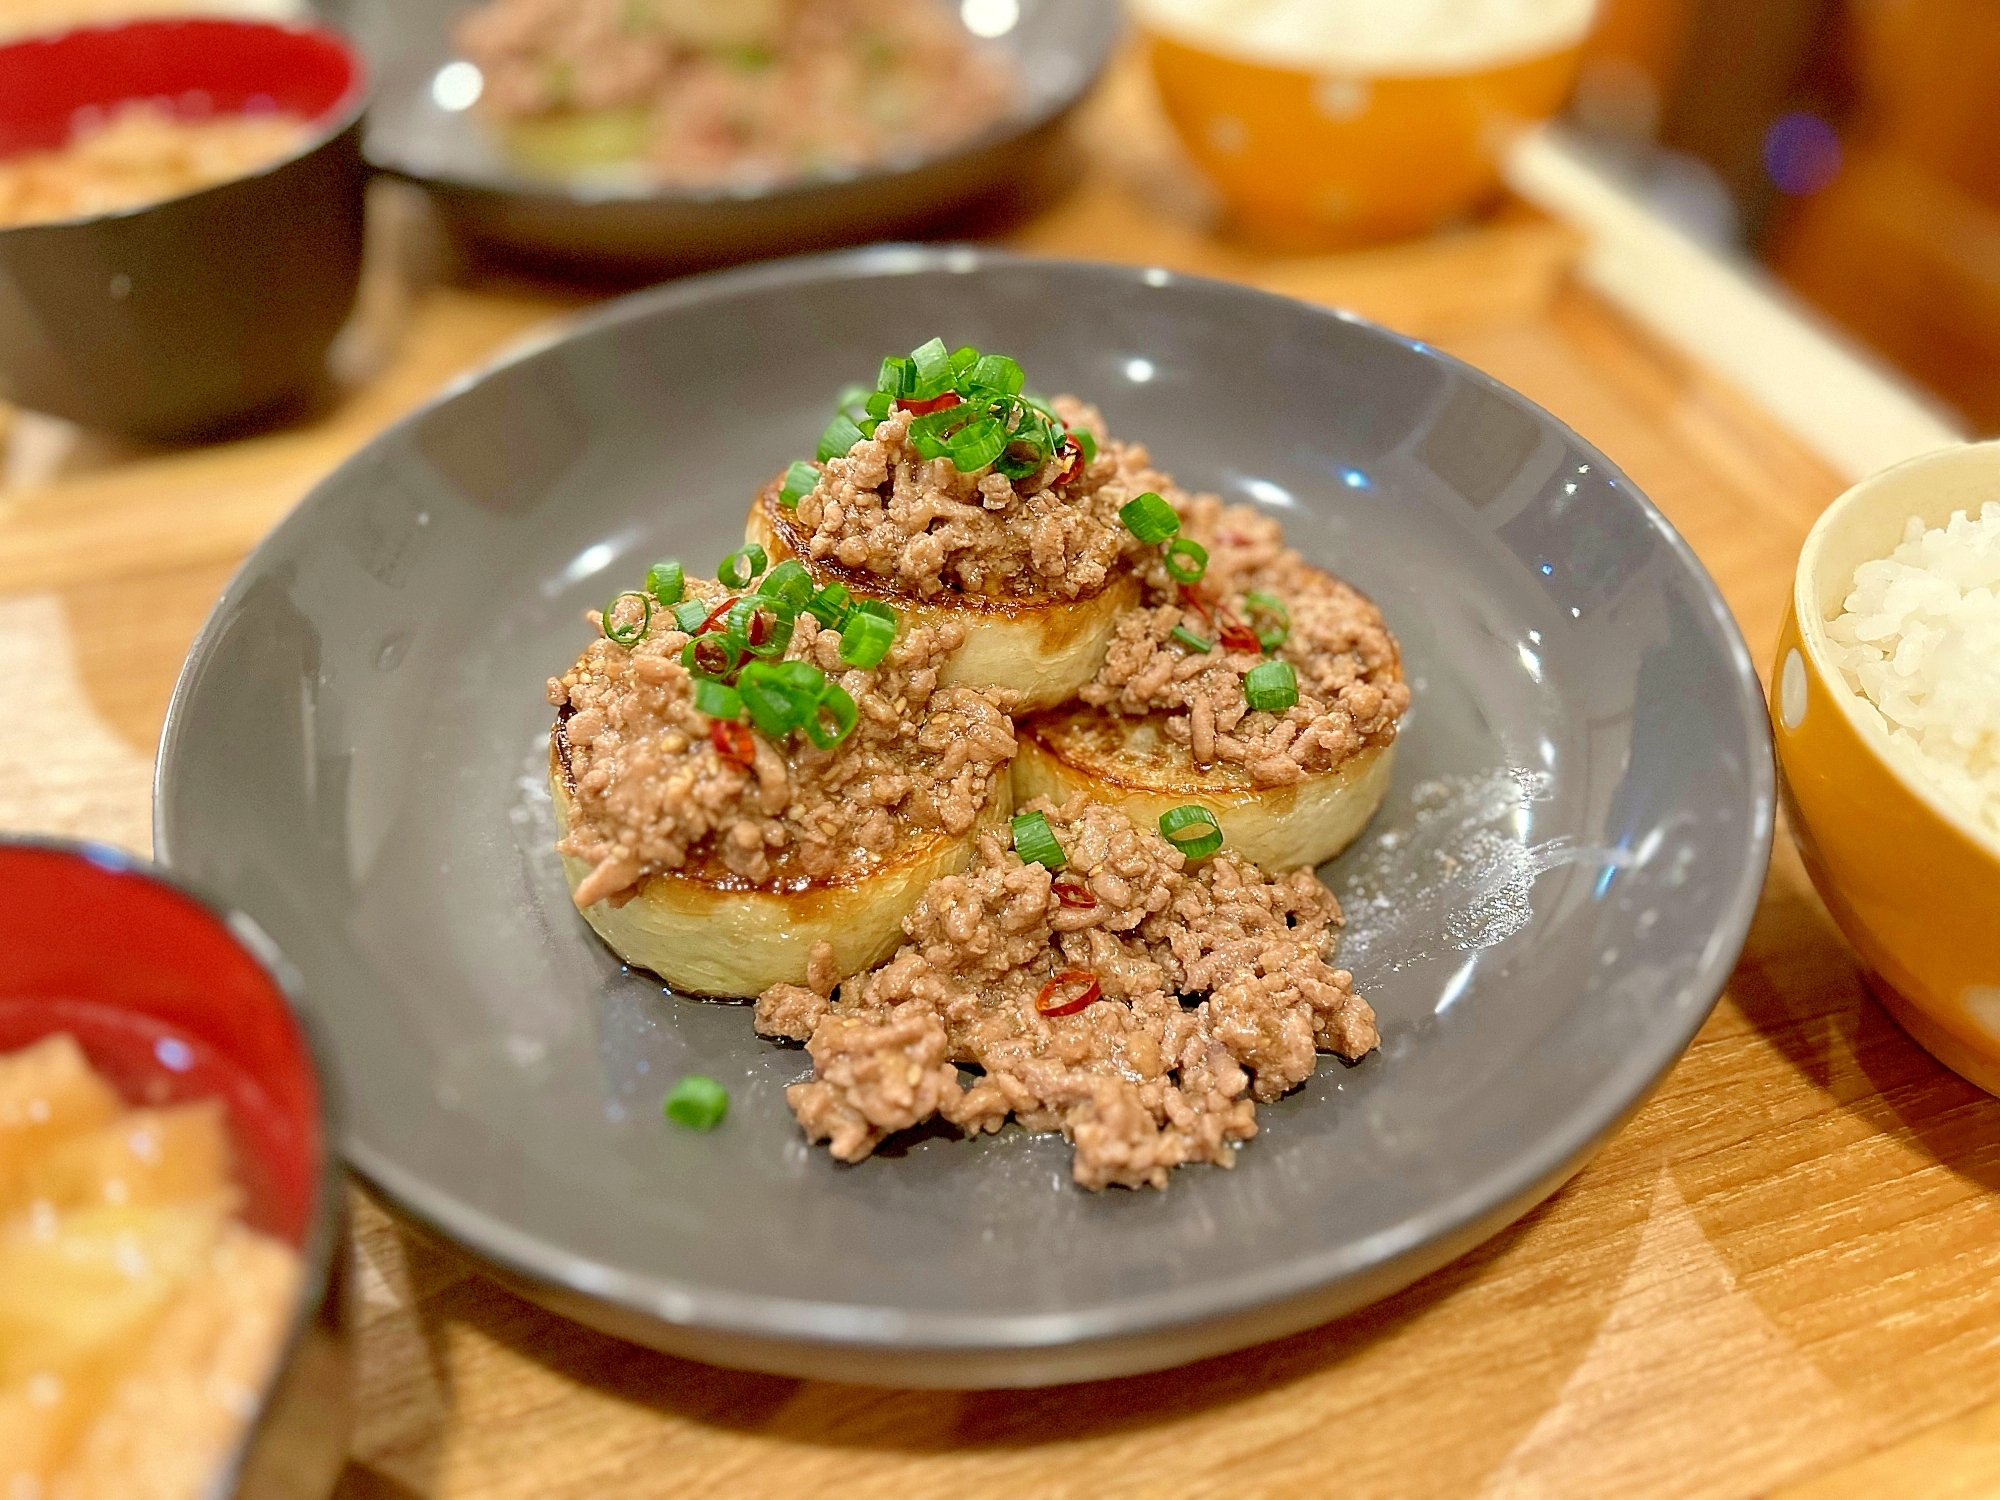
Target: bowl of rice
<point>1885,703</point>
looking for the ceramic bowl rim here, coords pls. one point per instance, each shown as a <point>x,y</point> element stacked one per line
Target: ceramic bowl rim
<point>1527,1176</point>
<point>1818,648</point>
<point>328,127</point>
<point>324,1236</point>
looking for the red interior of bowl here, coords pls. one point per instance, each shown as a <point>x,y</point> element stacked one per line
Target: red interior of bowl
<point>198,66</point>
<point>168,1005</point>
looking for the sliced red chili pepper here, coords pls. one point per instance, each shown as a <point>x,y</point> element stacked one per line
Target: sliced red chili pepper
<point>760,627</point>
<point>732,742</point>
<point>1073,893</point>
<point>1240,637</point>
<point>1191,597</point>
<point>714,616</point>
<point>925,408</point>
<point>1092,990</point>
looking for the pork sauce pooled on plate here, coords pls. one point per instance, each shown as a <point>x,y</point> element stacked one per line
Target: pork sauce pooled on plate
<point>806,768</point>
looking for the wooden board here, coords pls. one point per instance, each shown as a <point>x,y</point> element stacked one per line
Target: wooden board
<point>1779,1275</point>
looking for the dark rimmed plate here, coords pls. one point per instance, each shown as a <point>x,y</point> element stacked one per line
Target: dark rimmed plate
<point>1543,913</point>
<point>599,227</point>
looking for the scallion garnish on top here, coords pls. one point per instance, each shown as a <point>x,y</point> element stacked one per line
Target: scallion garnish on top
<point>865,638</point>
<point>969,407</point>
<point>1036,842</point>
<point>1192,829</point>
<point>1149,518</point>
<point>629,634</point>
<point>741,566</point>
<point>666,582</point>
<point>798,483</point>
<point>697,1102</point>
<point>1271,686</point>
<point>1269,617</point>
<point>1185,560</point>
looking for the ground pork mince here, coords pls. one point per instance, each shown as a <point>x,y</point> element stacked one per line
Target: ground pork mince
<point>710,92</point>
<point>1143,1079</point>
<point>1350,676</point>
<point>929,529</point>
<point>651,791</point>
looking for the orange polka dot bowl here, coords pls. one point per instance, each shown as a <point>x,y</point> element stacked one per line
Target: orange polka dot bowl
<point>1912,878</point>
<point>1345,145</point>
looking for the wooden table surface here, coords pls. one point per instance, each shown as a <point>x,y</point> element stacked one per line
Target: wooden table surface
<point>1779,1278</point>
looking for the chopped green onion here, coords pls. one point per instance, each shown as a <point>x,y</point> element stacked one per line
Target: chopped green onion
<point>879,405</point>
<point>666,582</point>
<point>977,445</point>
<point>929,433</point>
<point>1149,518</point>
<point>713,655</point>
<point>799,481</point>
<point>628,635</point>
<point>717,699</point>
<point>1272,636</point>
<point>932,367</point>
<point>698,1103</point>
<point>853,398</point>
<point>831,605</point>
<point>1186,560</point>
<point>1192,830</point>
<point>996,372</point>
<point>1271,686</point>
<point>1183,636</point>
<point>788,581</point>
<point>962,360</point>
<point>865,638</point>
<point>742,565</point>
<point>689,614</point>
<point>1086,442</point>
<point>800,676</point>
<point>776,706</point>
<point>833,704</point>
<point>1036,842</point>
<point>898,377</point>
<point>742,623</point>
<point>876,607</point>
<point>841,434</point>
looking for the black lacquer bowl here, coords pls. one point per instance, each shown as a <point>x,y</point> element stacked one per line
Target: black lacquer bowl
<point>204,312</point>
<point>173,997</point>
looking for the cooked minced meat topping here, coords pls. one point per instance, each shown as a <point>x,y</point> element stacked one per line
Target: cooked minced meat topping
<point>1142,1079</point>
<point>742,91</point>
<point>656,786</point>
<point>1350,676</point>
<point>886,510</point>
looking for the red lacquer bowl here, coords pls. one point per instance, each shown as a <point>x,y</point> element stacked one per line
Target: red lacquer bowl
<point>172,999</point>
<point>204,312</point>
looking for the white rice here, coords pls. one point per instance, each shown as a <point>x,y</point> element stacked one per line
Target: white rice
<point>1379,37</point>
<point>1919,640</point>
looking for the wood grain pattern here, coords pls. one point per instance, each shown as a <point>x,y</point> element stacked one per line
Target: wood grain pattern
<point>1778,1278</point>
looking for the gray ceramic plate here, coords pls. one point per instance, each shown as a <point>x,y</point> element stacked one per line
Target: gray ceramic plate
<point>1543,913</point>
<point>1061,46</point>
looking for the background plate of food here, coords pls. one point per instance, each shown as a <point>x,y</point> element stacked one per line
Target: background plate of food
<point>510,695</point>
<point>650,136</point>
